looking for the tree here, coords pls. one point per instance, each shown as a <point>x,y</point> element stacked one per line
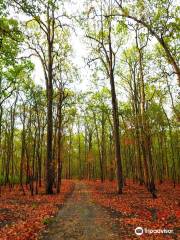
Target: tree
<point>160,19</point>
<point>45,27</point>
<point>107,55</point>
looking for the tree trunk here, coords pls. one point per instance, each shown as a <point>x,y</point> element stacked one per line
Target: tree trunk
<point>115,119</point>
<point>49,161</point>
<point>59,161</point>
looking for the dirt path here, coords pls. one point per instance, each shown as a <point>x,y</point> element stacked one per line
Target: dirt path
<point>81,219</point>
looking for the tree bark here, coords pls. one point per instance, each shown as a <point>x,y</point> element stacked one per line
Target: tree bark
<point>49,161</point>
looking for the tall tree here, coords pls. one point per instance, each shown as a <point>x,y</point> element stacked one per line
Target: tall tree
<point>160,18</point>
<point>44,28</point>
<point>107,55</point>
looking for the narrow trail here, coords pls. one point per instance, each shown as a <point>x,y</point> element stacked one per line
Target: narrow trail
<point>82,219</point>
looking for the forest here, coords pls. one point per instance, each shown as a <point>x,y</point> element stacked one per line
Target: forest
<point>89,119</point>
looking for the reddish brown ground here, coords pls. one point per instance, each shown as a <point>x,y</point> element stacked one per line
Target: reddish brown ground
<point>137,208</point>
<point>93,212</point>
<point>22,217</point>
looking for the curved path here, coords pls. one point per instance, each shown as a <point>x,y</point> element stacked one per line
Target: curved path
<point>82,219</point>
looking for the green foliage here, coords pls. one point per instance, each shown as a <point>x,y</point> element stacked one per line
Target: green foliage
<point>83,121</point>
<point>47,221</point>
<point>121,27</point>
<point>11,39</point>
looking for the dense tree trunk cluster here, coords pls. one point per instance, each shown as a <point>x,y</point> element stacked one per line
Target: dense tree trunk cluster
<point>125,125</point>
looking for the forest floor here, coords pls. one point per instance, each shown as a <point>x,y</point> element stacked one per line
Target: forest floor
<point>95,212</point>
<point>22,217</point>
<point>82,219</point>
<point>90,210</point>
<point>136,208</point>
